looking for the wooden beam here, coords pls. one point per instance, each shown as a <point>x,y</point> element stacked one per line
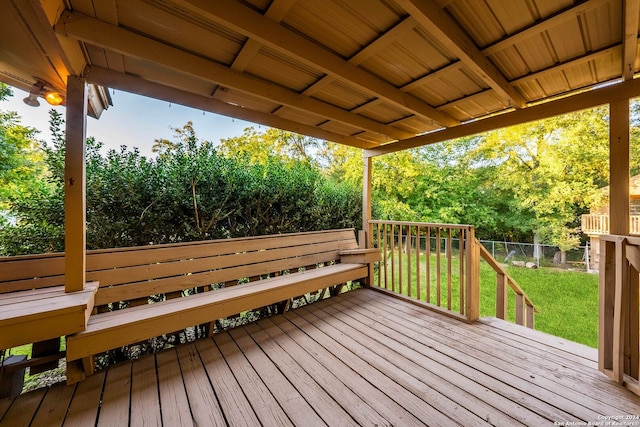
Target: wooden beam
<point>75,185</point>
<point>619,168</point>
<point>371,49</point>
<point>556,20</point>
<point>567,104</point>
<point>630,37</point>
<point>444,28</point>
<point>132,84</point>
<point>276,12</point>
<point>246,21</point>
<point>98,33</point>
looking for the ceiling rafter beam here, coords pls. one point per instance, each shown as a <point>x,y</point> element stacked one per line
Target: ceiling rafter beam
<point>127,43</point>
<point>246,21</point>
<point>544,25</point>
<point>371,49</point>
<point>630,37</point>
<point>136,85</point>
<point>276,12</point>
<point>564,105</point>
<point>443,28</point>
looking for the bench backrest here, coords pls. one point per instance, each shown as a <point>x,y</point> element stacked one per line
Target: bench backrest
<point>131,273</point>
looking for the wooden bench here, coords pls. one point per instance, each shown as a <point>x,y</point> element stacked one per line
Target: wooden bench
<point>275,268</point>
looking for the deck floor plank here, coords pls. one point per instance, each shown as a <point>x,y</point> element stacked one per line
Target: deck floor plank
<point>538,392</point>
<point>264,404</point>
<point>463,392</point>
<point>291,400</point>
<point>202,399</point>
<point>53,408</point>
<point>323,403</point>
<point>360,410</point>
<point>362,358</point>
<point>485,382</point>
<point>233,401</point>
<point>385,393</point>
<point>23,410</point>
<point>83,410</point>
<point>174,403</point>
<point>145,399</point>
<point>4,406</point>
<point>116,398</point>
<point>441,408</point>
<point>553,376</point>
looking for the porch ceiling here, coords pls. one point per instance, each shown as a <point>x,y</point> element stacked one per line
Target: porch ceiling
<point>373,74</point>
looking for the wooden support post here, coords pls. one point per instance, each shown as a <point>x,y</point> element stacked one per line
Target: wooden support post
<point>619,168</point>
<point>366,202</point>
<point>620,309</point>
<point>606,306</point>
<point>472,252</point>
<point>75,184</point>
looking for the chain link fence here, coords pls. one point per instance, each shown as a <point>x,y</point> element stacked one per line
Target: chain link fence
<point>541,255</point>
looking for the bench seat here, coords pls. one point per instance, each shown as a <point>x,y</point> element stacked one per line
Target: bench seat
<point>36,315</point>
<point>113,329</point>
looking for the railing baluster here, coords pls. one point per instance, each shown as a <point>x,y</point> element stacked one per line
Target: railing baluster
<point>408,246</point>
<point>501,296</point>
<point>400,258</point>
<point>520,309</point>
<point>428,263</point>
<point>385,256</point>
<point>461,279</point>
<point>393,258</point>
<point>449,255</point>
<point>418,287</point>
<point>438,296</point>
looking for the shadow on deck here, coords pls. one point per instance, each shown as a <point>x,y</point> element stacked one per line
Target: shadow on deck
<point>362,358</point>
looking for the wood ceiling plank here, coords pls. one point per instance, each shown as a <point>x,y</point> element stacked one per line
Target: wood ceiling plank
<point>568,104</point>
<point>237,17</point>
<point>630,38</point>
<point>444,29</point>
<point>380,43</point>
<point>98,33</point>
<point>544,25</point>
<point>143,87</point>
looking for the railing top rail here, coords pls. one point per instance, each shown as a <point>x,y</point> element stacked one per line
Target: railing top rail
<point>633,240</point>
<point>422,224</point>
<point>484,253</point>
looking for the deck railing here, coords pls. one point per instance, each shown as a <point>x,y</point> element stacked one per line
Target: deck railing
<point>619,310</point>
<point>599,224</point>
<point>439,265</point>
<point>433,263</point>
<point>524,309</point>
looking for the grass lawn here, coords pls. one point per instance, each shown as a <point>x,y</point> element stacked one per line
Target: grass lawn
<point>567,301</point>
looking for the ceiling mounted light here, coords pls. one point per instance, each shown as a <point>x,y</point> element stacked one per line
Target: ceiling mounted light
<point>40,88</point>
<point>32,100</point>
<point>53,98</point>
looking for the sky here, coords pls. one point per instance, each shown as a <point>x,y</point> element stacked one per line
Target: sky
<point>133,120</point>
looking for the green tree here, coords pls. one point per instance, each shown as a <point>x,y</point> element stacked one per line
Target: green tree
<point>258,147</point>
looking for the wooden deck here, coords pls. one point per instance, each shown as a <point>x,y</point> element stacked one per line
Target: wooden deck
<point>362,358</point>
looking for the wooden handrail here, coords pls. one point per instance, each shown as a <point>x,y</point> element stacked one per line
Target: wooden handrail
<point>525,309</point>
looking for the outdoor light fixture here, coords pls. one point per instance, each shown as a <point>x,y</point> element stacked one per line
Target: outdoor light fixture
<point>32,100</point>
<point>53,98</point>
<point>38,89</point>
